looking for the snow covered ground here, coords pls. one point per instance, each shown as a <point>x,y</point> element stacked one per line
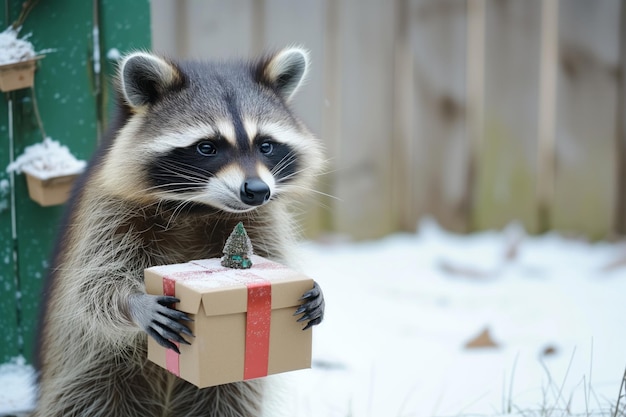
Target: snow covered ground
<point>400,310</point>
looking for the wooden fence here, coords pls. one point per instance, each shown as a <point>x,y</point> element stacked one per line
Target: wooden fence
<point>475,112</point>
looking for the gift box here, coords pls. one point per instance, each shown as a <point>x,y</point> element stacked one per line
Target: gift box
<point>243,325</point>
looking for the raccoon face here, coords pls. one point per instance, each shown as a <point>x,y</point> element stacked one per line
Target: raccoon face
<point>219,134</point>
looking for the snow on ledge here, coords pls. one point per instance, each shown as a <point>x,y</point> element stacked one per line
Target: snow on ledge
<point>18,393</point>
<point>46,160</point>
<point>14,50</point>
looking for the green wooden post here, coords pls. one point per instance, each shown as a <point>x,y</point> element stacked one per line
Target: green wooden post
<point>70,109</point>
<point>8,279</point>
<point>9,341</point>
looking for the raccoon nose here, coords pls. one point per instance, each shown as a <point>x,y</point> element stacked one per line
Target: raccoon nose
<point>254,192</point>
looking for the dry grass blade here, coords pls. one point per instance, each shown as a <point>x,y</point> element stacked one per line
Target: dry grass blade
<point>620,395</point>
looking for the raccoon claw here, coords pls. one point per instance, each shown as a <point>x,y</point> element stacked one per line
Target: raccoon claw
<point>312,308</point>
<point>314,292</point>
<point>312,323</point>
<point>162,341</point>
<point>159,320</point>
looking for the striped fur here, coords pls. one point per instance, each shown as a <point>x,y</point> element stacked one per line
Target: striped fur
<point>147,199</point>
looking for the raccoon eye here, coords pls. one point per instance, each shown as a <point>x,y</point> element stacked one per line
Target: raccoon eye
<point>206,148</point>
<point>266,148</point>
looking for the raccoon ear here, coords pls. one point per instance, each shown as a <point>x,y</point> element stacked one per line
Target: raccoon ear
<point>285,71</point>
<point>144,78</point>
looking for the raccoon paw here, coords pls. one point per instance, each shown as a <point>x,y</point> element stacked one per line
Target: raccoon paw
<point>313,307</point>
<point>153,314</point>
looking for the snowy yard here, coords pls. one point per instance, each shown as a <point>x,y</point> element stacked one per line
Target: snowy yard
<point>400,311</point>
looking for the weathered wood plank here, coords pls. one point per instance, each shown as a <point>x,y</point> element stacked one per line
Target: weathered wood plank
<point>546,138</point>
<point>506,174</point>
<point>620,213</point>
<point>331,110</point>
<point>403,115</point>
<point>289,23</point>
<point>164,15</point>
<point>586,125</point>
<point>217,29</point>
<point>438,149</point>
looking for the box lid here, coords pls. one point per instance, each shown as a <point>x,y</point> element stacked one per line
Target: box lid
<point>223,290</point>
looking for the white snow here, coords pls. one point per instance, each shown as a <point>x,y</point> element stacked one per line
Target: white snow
<point>47,159</point>
<point>13,49</point>
<point>400,310</point>
<point>17,395</point>
<point>114,54</point>
<point>4,187</point>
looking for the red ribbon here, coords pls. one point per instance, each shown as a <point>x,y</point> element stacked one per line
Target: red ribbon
<point>258,319</point>
<point>172,363</point>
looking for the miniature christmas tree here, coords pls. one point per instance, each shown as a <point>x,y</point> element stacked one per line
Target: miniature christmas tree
<point>238,249</point>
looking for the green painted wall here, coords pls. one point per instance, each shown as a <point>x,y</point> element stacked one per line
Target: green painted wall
<point>70,109</point>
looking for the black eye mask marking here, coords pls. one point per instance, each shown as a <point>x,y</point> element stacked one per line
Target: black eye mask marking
<point>189,168</point>
<point>279,158</point>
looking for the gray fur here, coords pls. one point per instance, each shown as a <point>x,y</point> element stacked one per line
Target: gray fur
<point>286,70</point>
<point>144,77</point>
<point>93,335</point>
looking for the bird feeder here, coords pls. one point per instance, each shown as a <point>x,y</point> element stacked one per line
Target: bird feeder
<point>18,75</point>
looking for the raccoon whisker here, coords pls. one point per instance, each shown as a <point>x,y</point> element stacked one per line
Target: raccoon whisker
<point>286,159</point>
<point>184,186</point>
<point>187,174</point>
<point>293,174</point>
<point>194,169</point>
<point>285,162</point>
<point>312,190</point>
<point>173,216</point>
<point>178,210</point>
<point>328,171</point>
<point>213,231</point>
<point>189,178</point>
<point>183,170</point>
<point>316,202</point>
<point>264,243</point>
<point>186,193</point>
<point>308,167</point>
<point>183,176</point>
<point>326,162</point>
<point>320,172</point>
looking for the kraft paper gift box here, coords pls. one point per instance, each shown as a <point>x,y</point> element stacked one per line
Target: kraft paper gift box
<point>243,325</point>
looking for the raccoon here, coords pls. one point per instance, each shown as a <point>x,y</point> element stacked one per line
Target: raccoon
<point>196,147</point>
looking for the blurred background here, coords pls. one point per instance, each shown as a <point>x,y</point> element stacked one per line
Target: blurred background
<point>476,113</point>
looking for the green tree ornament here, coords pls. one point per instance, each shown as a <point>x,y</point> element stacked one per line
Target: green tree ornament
<point>238,249</point>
